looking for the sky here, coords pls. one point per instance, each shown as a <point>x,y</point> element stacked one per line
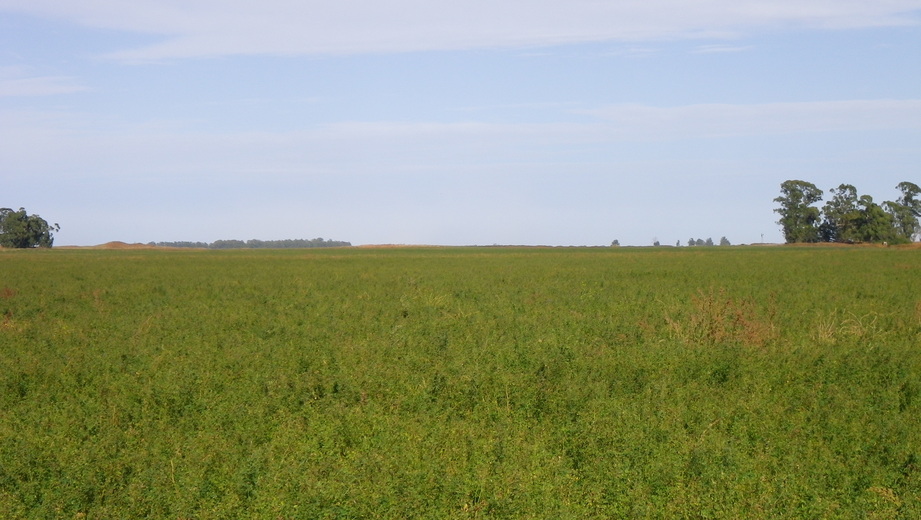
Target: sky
<point>539,122</point>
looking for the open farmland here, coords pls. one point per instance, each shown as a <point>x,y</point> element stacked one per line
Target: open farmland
<point>461,383</point>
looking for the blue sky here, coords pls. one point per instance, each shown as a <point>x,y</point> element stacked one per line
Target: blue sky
<point>432,122</point>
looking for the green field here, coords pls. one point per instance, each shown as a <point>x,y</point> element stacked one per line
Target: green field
<point>578,383</point>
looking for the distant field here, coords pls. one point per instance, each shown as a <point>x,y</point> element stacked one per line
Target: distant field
<point>722,382</point>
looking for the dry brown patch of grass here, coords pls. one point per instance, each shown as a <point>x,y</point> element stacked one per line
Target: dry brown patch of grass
<point>717,318</point>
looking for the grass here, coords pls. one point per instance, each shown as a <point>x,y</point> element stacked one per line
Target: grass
<point>461,383</point>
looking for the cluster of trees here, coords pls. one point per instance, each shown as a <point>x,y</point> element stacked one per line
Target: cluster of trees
<point>708,242</point>
<point>847,217</point>
<point>257,244</point>
<point>691,242</point>
<point>18,229</point>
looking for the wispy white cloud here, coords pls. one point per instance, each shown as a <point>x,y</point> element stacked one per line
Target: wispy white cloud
<point>39,86</point>
<point>720,48</point>
<point>722,120</point>
<point>16,81</point>
<point>556,105</point>
<point>195,28</point>
<point>43,140</point>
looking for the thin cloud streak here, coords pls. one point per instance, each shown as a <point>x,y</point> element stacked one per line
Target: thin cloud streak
<point>207,28</point>
<point>42,86</point>
<point>41,140</point>
<point>16,81</point>
<point>721,120</point>
<point>719,49</point>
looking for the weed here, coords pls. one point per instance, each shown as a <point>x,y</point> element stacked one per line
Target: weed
<point>836,327</point>
<point>719,319</point>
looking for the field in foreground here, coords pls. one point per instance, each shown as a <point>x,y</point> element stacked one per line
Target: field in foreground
<point>461,383</point>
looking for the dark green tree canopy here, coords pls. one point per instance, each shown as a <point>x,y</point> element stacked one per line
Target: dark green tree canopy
<point>21,230</point>
<point>906,210</point>
<point>841,216</point>
<point>798,217</point>
<point>875,225</point>
<point>847,217</point>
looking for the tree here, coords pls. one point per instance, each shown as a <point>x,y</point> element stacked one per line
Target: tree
<point>906,211</point>
<point>841,216</point>
<point>228,244</point>
<point>21,230</point>
<point>798,218</point>
<point>875,225</point>
<point>724,241</point>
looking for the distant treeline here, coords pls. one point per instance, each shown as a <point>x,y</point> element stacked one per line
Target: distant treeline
<point>257,244</point>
